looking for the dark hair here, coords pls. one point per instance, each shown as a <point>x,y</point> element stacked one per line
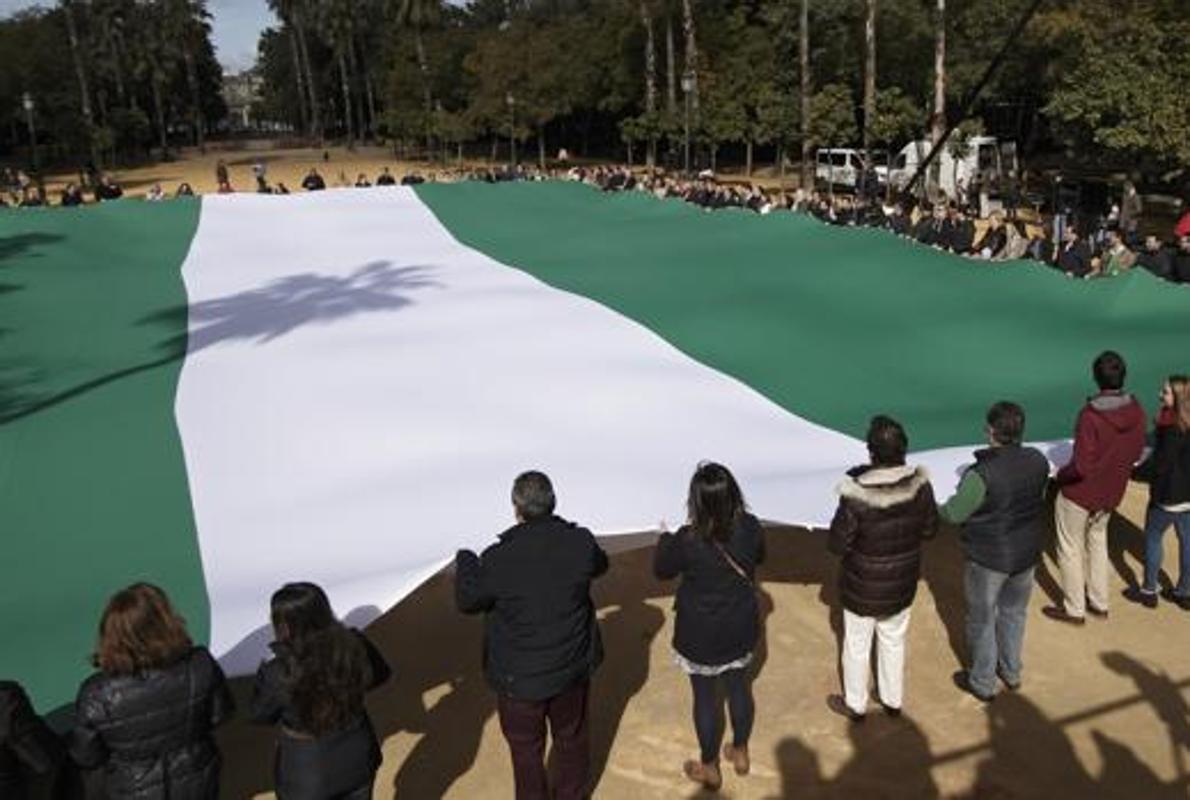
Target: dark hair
<point>140,631</point>
<point>1006,420</point>
<point>533,495</point>
<point>715,501</point>
<point>326,666</point>
<point>1110,371</point>
<point>887,442</point>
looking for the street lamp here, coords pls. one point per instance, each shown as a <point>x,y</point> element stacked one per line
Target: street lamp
<point>687,89</point>
<point>28,105</point>
<point>511,101</point>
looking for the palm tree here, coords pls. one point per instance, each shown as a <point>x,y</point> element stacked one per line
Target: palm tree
<point>691,51</point>
<point>938,123</point>
<point>80,71</point>
<point>186,26</point>
<point>419,14</point>
<point>650,81</point>
<point>869,78</point>
<point>295,13</point>
<point>804,61</point>
<point>337,22</point>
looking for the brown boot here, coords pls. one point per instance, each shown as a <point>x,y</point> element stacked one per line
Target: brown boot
<point>738,756</point>
<point>706,774</point>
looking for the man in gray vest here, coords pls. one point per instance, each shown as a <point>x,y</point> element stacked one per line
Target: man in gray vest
<point>999,502</point>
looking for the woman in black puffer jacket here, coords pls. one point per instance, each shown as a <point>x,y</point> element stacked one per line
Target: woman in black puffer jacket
<point>717,628</point>
<point>885,511</point>
<point>147,717</point>
<point>314,688</point>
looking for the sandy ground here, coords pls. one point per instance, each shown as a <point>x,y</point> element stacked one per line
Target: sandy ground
<point>1103,712</point>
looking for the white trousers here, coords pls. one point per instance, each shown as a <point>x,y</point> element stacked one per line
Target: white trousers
<point>890,658</point>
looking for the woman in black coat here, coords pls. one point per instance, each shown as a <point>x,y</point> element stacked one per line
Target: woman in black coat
<point>27,745</point>
<point>717,626</point>
<point>148,716</point>
<point>314,688</point>
<point>1168,472</point>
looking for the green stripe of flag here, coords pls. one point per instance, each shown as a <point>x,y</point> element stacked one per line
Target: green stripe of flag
<point>93,491</point>
<point>833,325</point>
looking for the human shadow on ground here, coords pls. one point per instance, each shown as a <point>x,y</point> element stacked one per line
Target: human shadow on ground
<point>259,316</point>
<point>890,759</point>
<point>1026,755</point>
<point>1167,700</point>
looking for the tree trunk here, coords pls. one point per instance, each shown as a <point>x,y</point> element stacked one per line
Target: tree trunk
<point>346,87</point>
<point>691,52</point>
<point>869,79</point>
<point>807,182</point>
<point>113,46</point>
<point>371,99</point>
<point>316,130</point>
<point>299,75</point>
<point>541,147</point>
<point>650,83</point>
<point>200,139</point>
<point>748,157</point>
<point>361,124</point>
<point>159,114</point>
<point>423,66</point>
<point>671,75</point>
<point>80,71</point>
<point>938,122</point>
<point>494,153</point>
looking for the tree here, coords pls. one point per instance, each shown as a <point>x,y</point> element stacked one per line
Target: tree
<point>417,15</point>
<point>1121,83</point>
<point>650,76</point>
<point>80,71</point>
<point>336,20</point>
<point>869,73</point>
<point>804,94</point>
<point>938,120</point>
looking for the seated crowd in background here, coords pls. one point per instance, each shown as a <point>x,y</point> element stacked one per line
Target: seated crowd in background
<point>144,720</point>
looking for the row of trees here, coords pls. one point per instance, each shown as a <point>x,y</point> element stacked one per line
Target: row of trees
<point>1099,78</point>
<point>110,78</point>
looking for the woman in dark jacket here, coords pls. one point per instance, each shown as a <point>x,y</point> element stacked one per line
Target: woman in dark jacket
<point>717,626</point>
<point>27,745</point>
<point>314,687</point>
<point>885,511</point>
<point>148,715</point>
<point>1168,471</point>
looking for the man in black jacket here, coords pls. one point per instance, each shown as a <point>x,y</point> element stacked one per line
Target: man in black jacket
<point>541,642</point>
<point>27,745</point>
<point>999,502</point>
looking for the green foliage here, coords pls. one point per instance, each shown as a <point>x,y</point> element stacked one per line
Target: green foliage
<point>898,118</point>
<point>1125,88</point>
<point>832,117</point>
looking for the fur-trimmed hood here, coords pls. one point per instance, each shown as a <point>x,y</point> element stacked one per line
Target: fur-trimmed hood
<point>883,487</point>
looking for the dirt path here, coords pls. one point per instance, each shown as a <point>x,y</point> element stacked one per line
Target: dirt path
<point>1103,712</point>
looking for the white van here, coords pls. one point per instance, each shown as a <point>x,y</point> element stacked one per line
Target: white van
<point>838,167</point>
<point>987,158</point>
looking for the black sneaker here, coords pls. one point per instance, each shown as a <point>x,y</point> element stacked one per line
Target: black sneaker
<point>1180,600</point>
<point>963,682</point>
<point>1012,686</point>
<point>1134,595</point>
<point>837,704</point>
<point>892,711</point>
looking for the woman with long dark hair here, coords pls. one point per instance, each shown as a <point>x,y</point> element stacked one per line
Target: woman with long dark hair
<point>148,716</point>
<point>1168,471</point>
<point>717,628</point>
<point>314,688</point>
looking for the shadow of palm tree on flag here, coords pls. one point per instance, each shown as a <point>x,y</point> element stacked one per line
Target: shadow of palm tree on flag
<point>257,315</point>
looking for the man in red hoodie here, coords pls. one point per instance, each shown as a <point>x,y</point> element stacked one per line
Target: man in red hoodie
<point>1108,440</point>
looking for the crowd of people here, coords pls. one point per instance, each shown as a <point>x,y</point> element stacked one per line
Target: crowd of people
<point>1104,246</point>
<point>145,720</point>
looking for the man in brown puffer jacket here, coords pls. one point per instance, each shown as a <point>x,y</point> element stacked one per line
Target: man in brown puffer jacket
<point>886,509</point>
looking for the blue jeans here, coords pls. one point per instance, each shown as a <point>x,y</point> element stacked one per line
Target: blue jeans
<point>996,606</point>
<point>1157,521</point>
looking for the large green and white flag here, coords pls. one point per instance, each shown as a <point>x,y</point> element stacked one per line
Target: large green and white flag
<point>221,396</point>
